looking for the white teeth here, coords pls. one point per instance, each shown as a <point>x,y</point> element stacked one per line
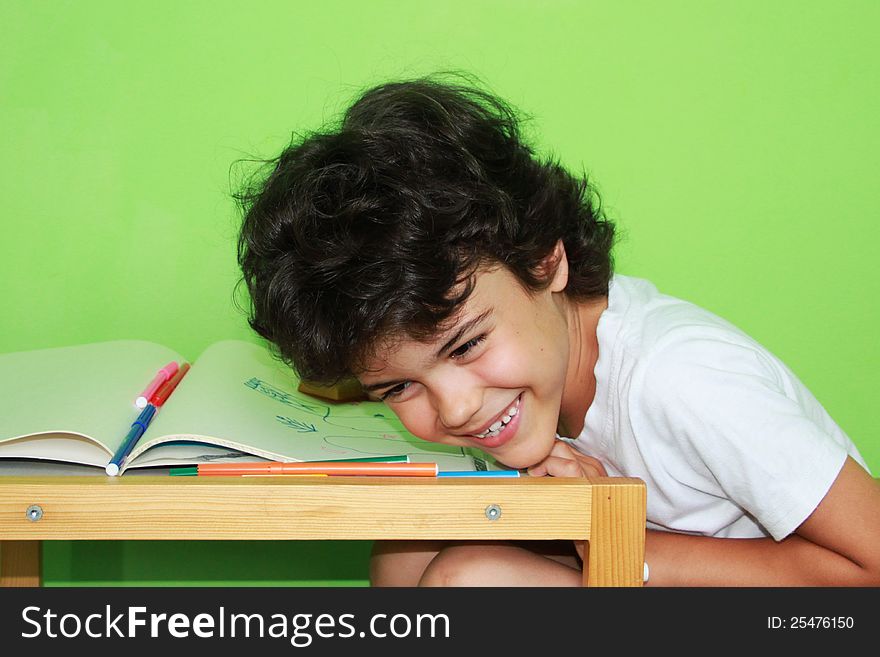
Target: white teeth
<point>496,426</point>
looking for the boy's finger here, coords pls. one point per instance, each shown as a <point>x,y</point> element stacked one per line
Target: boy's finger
<point>563,450</point>
<point>592,466</point>
<point>558,467</point>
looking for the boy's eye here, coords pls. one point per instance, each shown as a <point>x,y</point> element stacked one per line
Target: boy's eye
<point>397,390</point>
<point>467,346</point>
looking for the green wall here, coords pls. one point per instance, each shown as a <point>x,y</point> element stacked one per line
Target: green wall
<point>736,143</point>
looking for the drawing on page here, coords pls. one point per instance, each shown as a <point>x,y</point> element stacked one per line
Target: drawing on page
<point>345,429</point>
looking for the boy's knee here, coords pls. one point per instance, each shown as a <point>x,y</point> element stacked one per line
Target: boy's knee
<point>457,565</point>
<point>400,563</point>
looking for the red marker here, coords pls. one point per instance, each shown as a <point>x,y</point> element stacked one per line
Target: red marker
<point>161,377</point>
<point>165,390</point>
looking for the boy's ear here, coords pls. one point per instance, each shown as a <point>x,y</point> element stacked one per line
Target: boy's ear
<point>555,266</point>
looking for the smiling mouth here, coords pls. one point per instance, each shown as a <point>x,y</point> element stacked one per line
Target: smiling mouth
<point>499,425</point>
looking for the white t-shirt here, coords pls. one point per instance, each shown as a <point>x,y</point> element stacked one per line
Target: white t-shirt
<point>729,442</point>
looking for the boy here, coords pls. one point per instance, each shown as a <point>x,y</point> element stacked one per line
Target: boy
<point>424,249</point>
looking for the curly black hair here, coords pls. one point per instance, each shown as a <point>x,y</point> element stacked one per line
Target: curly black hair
<point>373,229</point>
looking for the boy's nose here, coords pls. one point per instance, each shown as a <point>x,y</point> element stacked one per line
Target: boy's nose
<point>457,405</point>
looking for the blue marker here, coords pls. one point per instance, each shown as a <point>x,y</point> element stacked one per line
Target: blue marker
<point>137,429</point>
<point>479,473</point>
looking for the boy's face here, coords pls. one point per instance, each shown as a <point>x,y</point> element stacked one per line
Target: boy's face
<point>494,379</point>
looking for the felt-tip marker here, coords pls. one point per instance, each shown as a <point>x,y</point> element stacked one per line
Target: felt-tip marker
<point>479,473</point>
<point>161,395</point>
<point>161,377</point>
<point>338,468</point>
<point>137,429</point>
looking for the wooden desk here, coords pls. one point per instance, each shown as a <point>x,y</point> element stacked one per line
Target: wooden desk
<point>607,512</point>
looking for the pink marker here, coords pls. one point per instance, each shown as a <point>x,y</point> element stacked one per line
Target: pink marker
<point>161,377</point>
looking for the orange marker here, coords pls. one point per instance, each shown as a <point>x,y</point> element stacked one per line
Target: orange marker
<point>161,395</point>
<point>287,475</point>
<point>336,468</point>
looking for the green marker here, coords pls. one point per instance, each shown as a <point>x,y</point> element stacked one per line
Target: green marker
<point>184,472</point>
<point>373,459</point>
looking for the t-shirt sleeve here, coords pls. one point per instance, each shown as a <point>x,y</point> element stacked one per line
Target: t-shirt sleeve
<point>724,408</point>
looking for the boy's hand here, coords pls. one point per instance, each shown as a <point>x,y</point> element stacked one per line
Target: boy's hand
<point>565,461</point>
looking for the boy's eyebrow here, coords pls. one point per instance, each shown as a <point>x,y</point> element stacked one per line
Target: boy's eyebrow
<point>461,331</point>
<point>382,384</point>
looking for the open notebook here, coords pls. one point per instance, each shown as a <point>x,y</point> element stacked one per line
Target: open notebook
<point>76,404</point>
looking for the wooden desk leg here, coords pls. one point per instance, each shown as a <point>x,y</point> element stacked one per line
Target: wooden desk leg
<point>615,554</point>
<point>20,563</point>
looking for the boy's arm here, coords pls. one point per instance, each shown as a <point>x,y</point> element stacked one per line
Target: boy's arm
<point>837,545</point>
